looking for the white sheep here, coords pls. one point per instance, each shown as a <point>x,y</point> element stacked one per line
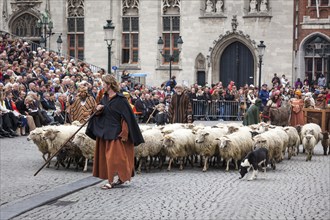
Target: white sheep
<point>86,145</point>
<point>179,144</point>
<point>284,137</point>
<point>311,128</point>
<point>273,143</point>
<point>206,144</point>
<point>169,128</point>
<point>294,141</point>
<point>37,137</point>
<point>235,146</point>
<point>56,136</point>
<point>152,146</point>
<point>309,143</point>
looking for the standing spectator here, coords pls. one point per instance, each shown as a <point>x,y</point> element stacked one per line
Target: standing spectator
<point>297,104</point>
<point>321,81</point>
<point>180,110</point>
<point>283,81</point>
<point>264,96</point>
<point>276,79</point>
<point>298,84</point>
<point>172,83</point>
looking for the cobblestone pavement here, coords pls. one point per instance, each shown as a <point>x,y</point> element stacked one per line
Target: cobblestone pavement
<point>295,190</point>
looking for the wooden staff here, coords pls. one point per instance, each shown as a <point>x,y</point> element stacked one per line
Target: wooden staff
<point>62,146</point>
<point>151,115</point>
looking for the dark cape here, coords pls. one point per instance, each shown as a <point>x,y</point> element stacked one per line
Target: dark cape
<point>107,125</point>
<point>180,108</point>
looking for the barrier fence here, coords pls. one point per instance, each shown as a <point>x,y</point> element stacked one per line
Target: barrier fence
<point>217,110</point>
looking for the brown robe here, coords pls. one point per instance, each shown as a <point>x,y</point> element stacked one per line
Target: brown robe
<point>180,108</point>
<point>297,114</point>
<point>81,113</point>
<point>113,157</point>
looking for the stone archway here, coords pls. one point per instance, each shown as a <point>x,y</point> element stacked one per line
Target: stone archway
<point>24,24</point>
<point>224,42</point>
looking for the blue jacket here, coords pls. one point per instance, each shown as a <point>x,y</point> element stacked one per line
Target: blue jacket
<point>264,95</point>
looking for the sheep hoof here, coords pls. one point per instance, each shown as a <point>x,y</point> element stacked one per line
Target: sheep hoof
<point>138,172</point>
<point>204,170</point>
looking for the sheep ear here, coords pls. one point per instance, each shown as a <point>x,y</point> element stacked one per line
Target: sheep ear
<point>193,132</point>
<point>56,131</point>
<point>217,139</point>
<point>162,139</point>
<point>207,133</point>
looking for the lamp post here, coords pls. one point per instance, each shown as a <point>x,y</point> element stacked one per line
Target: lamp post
<point>171,56</point>
<point>59,43</point>
<point>261,51</point>
<point>47,25</point>
<point>108,38</point>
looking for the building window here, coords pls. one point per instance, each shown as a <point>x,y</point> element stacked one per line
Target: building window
<point>130,40</point>
<point>76,37</point>
<point>171,33</point>
<point>320,2</point>
<point>76,28</point>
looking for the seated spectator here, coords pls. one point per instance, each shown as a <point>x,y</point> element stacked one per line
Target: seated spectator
<point>10,121</point>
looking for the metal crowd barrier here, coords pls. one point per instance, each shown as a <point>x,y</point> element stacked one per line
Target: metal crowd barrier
<point>217,110</point>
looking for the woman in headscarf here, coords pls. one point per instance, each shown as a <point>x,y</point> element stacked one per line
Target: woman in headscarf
<point>297,104</point>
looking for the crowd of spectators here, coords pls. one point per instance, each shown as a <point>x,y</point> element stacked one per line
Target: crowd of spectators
<point>39,88</point>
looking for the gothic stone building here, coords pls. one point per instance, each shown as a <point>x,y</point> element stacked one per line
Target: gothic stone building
<point>220,37</point>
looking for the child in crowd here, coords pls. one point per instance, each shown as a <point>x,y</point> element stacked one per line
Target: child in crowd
<point>161,117</point>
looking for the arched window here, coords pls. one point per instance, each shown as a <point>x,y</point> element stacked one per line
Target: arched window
<point>26,26</point>
<point>76,28</point>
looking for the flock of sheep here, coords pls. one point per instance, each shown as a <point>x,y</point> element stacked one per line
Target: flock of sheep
<point>182,143</point>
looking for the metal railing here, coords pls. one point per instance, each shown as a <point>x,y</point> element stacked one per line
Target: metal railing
<point>34,46</point>
<point>217,110</point>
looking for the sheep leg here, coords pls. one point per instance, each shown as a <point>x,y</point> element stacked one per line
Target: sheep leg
<point>169,164</point>
<point>227,166</point>
<point>48,156</point>
<point>325,149</point>
<point>181,163</point>
<point>139,167</point>
<point>273,164</point>
<point>150,164</point>
<point>85,167</point>
<point>205,163</point>
<point>236,165</point>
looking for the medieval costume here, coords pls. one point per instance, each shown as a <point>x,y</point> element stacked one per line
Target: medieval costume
<point>180,110</point>
<point>297,114</point>
<point>252,114</point>
<point>116,132</point>
<point>82,107</point>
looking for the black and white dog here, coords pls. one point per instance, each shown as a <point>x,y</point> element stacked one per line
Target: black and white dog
<point>255,159</point>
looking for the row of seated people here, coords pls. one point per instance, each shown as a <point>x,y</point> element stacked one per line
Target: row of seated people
<point>27,112</point>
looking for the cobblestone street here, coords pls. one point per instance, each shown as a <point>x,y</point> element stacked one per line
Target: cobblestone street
<point>295,190</point>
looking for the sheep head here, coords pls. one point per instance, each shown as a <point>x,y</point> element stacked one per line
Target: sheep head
<point>200,136</point>
<point>50,134</point>
<point>223,143</point>
<point>168,141</point>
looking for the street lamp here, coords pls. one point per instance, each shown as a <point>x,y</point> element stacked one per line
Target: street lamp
<point>261,51</point>
<point>59,43</point>
<point>108,38</point>
<point>160,44</point>
<point>47,25</point>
